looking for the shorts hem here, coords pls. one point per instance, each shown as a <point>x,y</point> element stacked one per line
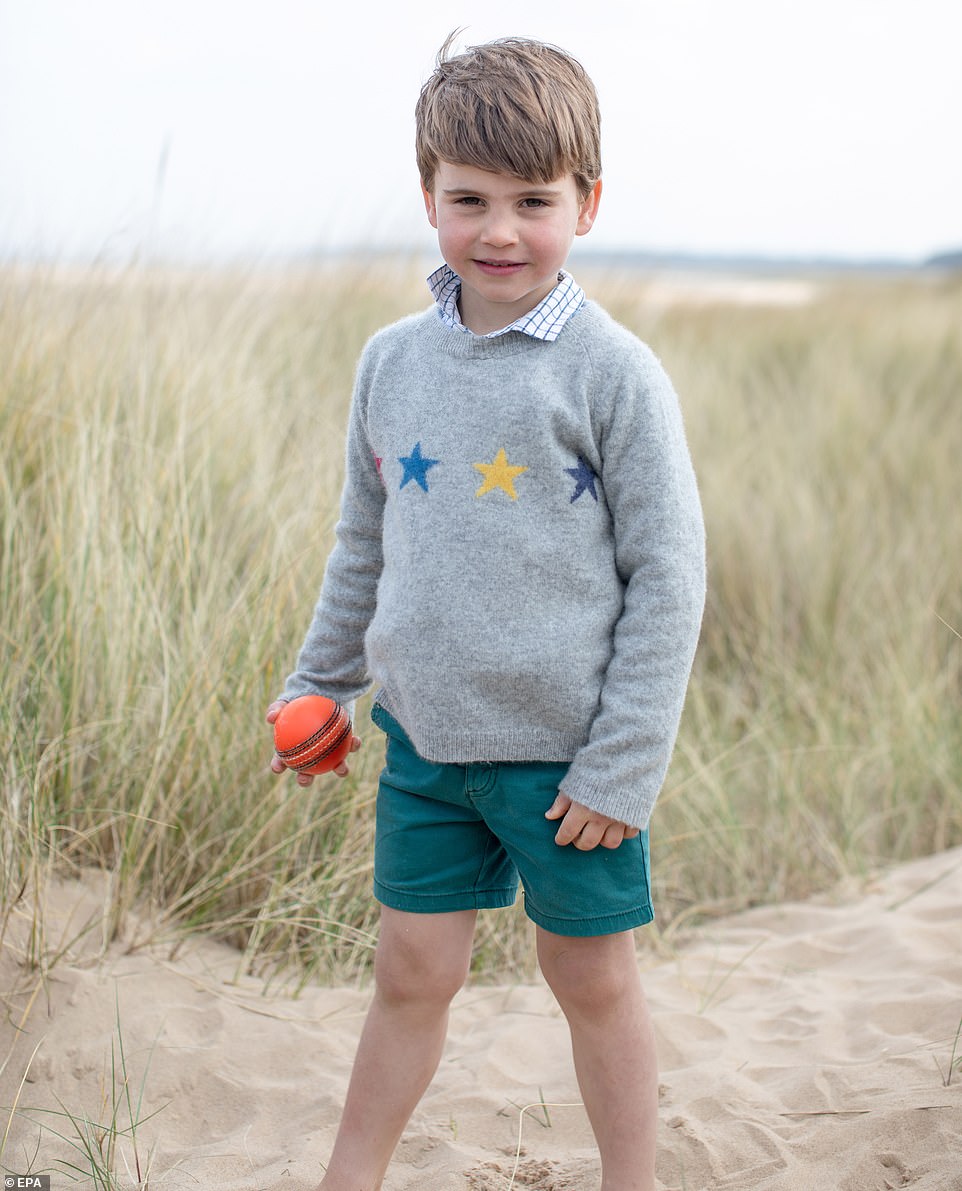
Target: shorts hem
<point>581,928</point>
<point>444,903</point>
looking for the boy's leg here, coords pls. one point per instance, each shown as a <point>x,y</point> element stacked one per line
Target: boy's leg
<point>421,962</point>
<point>598,987</point>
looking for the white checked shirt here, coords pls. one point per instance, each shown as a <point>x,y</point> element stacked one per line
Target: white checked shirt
<point>544,322</point>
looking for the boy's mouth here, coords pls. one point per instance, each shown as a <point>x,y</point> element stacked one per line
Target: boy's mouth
<point>499,266</point>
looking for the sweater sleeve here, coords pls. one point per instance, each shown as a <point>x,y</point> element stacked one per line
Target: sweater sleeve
<point>332,660</point>
<point>651,490</point>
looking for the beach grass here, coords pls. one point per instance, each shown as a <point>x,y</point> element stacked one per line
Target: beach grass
<point>172,458</point>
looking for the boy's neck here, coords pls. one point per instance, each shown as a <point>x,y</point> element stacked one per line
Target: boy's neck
<point>482,317</point>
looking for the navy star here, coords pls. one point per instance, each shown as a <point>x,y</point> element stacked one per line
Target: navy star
<point>584,478</point>
<point>416,467</point>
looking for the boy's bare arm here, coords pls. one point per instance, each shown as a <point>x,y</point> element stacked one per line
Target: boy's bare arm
<point>585,828</point>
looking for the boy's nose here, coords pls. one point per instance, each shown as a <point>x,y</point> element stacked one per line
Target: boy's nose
<point>499,231</point>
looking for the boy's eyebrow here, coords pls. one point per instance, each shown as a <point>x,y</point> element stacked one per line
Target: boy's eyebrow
<point>533,191</point>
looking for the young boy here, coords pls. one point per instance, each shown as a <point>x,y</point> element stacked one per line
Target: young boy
<point>519,567</point>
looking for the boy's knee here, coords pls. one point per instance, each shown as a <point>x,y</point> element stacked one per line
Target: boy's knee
<point>406,979</point>
<point>417,967</point>
<point>589,977</point>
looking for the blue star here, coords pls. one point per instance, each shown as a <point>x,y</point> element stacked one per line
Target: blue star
<point>416,467</point>
<point>584,478</point>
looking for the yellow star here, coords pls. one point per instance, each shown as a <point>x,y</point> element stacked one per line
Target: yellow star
<point>499,474</point>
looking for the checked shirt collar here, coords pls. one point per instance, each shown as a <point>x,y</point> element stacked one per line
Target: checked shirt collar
<point>545,322</point>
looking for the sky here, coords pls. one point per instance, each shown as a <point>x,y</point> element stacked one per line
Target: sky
<point>218,129</point>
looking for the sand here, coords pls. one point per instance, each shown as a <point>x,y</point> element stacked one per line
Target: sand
<point>801,1046</point>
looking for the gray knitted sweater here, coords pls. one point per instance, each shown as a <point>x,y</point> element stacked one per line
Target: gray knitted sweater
<point>519,564</point>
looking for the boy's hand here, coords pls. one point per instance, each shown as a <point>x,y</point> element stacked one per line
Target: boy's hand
<point>585,828</point>
<point>304,779</point>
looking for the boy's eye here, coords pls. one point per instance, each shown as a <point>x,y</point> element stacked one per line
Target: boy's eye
<point>534,202</point>
<point>469,200</point>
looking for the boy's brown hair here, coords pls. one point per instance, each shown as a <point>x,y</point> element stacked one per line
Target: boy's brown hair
<point>513,106</point>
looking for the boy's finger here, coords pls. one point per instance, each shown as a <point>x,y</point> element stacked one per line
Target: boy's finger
<point>571,827</point>
<point>590,835</point>
<point>274,710</point>
<point>559,808</point>
<point>344,769</point>
<point>615,835</point>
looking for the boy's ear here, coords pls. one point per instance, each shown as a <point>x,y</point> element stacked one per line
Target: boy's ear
<point>589,210</point>
<point>430,206</point>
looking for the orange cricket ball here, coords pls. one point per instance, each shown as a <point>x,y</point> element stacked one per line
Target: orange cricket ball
<point>313,734</point>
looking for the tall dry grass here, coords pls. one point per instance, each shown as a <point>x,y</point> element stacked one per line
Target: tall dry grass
<point>170,470</point>
<point>823,734</point>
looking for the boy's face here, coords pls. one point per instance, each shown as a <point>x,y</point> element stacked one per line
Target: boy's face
<point>505,238</point>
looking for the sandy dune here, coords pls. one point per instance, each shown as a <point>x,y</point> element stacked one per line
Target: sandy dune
<point>801,1046</point>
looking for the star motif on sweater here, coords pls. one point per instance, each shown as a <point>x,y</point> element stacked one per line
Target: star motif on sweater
<point>416,467</point>
<point>499,474</point>
<point>584,477</point>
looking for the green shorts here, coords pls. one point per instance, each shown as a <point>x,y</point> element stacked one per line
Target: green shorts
<point>458,837</point>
